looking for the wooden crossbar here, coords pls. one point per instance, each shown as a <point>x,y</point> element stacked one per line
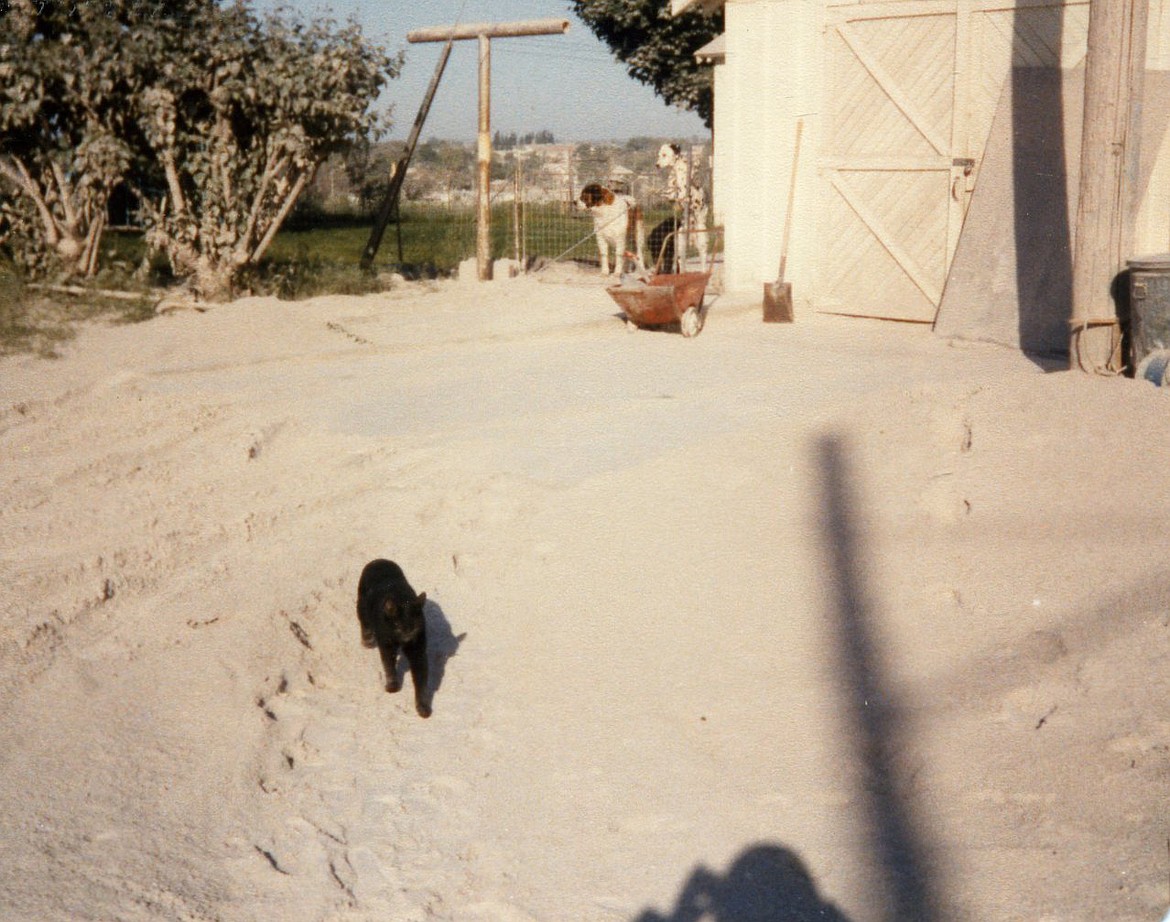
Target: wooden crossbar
<point>484,32</point>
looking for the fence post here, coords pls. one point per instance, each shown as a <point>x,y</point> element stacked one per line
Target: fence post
<point>484,33</point>
<point>516,212</point>
<point>568,181</point>
<point>483,230</point>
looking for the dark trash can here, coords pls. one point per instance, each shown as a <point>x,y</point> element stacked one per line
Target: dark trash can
<point>1149,311</point>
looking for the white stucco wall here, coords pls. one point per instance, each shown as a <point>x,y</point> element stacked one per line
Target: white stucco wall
<point>770,79</point>
<point>1158,32</point>
<point>773,75</point>
<point>1152,231</point>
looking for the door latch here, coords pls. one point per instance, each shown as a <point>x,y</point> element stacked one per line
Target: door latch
<point>967,165</point>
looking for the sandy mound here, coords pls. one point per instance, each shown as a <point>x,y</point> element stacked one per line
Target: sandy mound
<point>829,620</point>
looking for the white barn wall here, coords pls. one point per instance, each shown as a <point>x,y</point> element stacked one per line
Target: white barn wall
<point>1152,231</point>
<point>1158,36</point>
<point>774,73</point>
<point>770,79</point>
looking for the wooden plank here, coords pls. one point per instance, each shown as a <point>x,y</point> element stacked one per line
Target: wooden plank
<point>962,144</point>
<point>895,115</point>
<point>1011,280</point>
<point>892,89</point>
<point>898,9</point>
<point>886,237</point>
<point>1073,27</point>
<point>888,164</point>
<point>927,72</point>
<point>892,133</point>
<point>1108,191</point>
<point>474,30</point>
<point>890,9</point>
<point>862,279</point>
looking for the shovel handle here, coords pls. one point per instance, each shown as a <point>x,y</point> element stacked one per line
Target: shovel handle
<point>791,200</point>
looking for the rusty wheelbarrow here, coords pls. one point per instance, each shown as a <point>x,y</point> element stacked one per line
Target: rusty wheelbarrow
<point>662,300</point>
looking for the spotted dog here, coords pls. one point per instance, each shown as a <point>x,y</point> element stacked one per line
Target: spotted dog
<point>688,197</point>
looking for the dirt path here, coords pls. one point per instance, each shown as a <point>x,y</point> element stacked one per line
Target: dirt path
<point>832,619</point>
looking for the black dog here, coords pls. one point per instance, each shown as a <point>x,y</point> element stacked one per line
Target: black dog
<point>661,245</point>
<point>391,616</point>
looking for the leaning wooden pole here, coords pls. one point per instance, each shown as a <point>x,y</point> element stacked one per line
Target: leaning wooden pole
<point>484,32</point>
<point>1108,195</point>
<point>390,202</point>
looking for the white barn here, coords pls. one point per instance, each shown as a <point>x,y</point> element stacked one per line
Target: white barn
<point>899,103</point>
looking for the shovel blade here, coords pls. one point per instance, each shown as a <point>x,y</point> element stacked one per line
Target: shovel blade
<point>777,302</point>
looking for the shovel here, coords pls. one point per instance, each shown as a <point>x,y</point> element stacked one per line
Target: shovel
<point>778,294</point>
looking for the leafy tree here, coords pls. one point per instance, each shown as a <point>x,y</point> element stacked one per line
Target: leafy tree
<point>67,71</point>
<point>239,118</point>
<point>641,143</point>
<point>657,48</point>
<point>216,118</point>
<point>440,167</point>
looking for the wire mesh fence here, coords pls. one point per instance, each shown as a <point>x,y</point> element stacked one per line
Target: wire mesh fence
<point>534,218</point>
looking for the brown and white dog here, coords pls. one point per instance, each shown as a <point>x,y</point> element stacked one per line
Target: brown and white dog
<point>615,216</point>
<point>687,197</point>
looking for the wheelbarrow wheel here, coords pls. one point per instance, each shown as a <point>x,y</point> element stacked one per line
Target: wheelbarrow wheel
<point>691,322</point>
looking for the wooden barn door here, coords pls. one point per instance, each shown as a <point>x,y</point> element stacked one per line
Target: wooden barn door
<point>911,90</point>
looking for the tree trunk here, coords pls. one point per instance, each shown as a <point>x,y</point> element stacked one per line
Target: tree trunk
<point>212,282</point>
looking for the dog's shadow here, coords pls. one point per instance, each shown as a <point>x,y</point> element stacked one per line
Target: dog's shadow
<point>442,644</point>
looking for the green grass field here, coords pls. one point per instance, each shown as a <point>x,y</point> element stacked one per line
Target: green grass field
<point>435,240</point>
<point>315,255</point>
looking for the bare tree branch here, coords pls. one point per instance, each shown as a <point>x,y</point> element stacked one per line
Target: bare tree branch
<point>18,173</point>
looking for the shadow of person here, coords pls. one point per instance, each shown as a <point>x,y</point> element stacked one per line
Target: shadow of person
<point>442,644</point>
<point>766,883</point>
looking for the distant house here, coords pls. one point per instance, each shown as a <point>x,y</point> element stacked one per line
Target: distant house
<point>913,164</point>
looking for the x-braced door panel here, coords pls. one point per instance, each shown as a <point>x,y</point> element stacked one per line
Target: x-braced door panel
<point>912,86</point>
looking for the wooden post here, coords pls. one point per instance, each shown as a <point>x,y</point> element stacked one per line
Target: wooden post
<point>516,231</point>
<point>484,33</point>
<point>390,203</point>
<point>483,164</point>
<point>1107,204</point>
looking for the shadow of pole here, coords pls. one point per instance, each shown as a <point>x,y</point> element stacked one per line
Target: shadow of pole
<point>900,854</point>
<point>1042,231</point>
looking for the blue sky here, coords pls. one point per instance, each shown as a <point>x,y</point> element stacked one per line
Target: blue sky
<point>568,84</point>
